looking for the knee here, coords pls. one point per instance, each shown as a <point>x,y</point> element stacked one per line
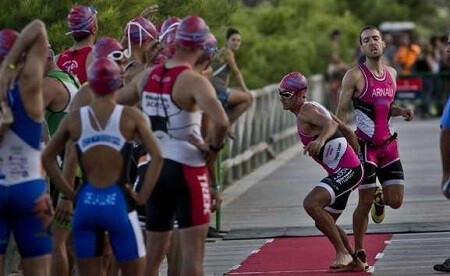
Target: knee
<point>395,204</point>
<point>393,200</point>
<point>310,206</point>
<point>250,98</point>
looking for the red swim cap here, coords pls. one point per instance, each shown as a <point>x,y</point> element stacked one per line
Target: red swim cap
<point>192,32</point>
<point>106,46</point>
<point>210,47</point>
<point>140,30</point>
<point>294,82</point>
<point>104,76</point>
<point>7,39</point>
<point>81,20</point>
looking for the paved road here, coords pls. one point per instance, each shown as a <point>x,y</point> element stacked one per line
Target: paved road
<point>267,203</point>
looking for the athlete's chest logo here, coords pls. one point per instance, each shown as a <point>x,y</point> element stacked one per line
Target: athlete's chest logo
<point>70,66</point>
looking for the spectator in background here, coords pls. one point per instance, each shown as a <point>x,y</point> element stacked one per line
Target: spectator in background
<point>427,65</point>
<point>238,99</point>
<point>390,51</point>
<point>336,68</point>
<point>83,27</point>
<point>445,61</point>
<point>407,54</point>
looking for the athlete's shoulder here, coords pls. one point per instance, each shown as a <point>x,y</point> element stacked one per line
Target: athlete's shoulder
<point>353,74</point>
<point>392,71</point>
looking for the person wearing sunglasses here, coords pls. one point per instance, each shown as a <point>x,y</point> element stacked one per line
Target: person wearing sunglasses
<point>322,135</point>
<point>371,86</point>
<point>83,27</point>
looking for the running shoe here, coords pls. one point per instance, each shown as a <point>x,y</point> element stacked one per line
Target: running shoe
<point>377,211</point>
<point>444,267</point>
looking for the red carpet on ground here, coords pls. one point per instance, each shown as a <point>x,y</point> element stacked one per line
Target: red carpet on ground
<point>302,256</point>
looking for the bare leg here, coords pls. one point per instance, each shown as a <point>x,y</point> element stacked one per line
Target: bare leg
<point>108,261</point>
<point>90,266</point>
<point>314,203</point>
<point>192,243</point>
<point>60,259</point>
<point>133,268</point>
<point>393,196</point>
<point>360,216</point>
<point>344,239</point>
<point>174,255</point>
<point>239,101</point>
<point>157,247</point>
<point>39,266</point>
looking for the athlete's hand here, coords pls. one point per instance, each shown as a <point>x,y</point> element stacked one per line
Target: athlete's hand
<point>6,117</point>
<point>139,198</point>
<point>152,50</point>
<point>216,199</point>
<point>408,114</point>
<point>148,10</point>
<point>313,148</point>
<point>210,156</point>
<point>44,210</point>
<point>64,211</point>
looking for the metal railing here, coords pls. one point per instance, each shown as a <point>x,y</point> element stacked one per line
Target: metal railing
<point>263,131</point>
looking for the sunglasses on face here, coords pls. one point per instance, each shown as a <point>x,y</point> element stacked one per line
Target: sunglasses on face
<point>117,55</point>
<point>285,94</point>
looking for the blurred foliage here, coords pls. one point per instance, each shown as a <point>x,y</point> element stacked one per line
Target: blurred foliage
<point>278,35</point>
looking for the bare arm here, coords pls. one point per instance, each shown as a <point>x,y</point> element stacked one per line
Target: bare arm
<point>131,92</point>
<point>310,114</point>
<point>145,135</point>
<point>206,99</point>
<point>50,152</point>
<point>235,69</point>
<point>49,88</point>
<point>348,133</point>
<point>406,113</point>
<point>346,94</point>
<point>32,41</point>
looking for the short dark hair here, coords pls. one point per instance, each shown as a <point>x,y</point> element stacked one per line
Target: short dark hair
<point>365,28</point>
<point>231,31</point>
<point>335,33</point>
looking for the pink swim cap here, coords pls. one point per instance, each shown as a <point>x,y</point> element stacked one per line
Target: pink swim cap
<point>192,32</point>
<point>82,20</point>
<point>7,39</point>
<point>294,82</point>
<point>140,30</point>
<point>104,76</point>
<point>106,46</point>
<point>210,47</point>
